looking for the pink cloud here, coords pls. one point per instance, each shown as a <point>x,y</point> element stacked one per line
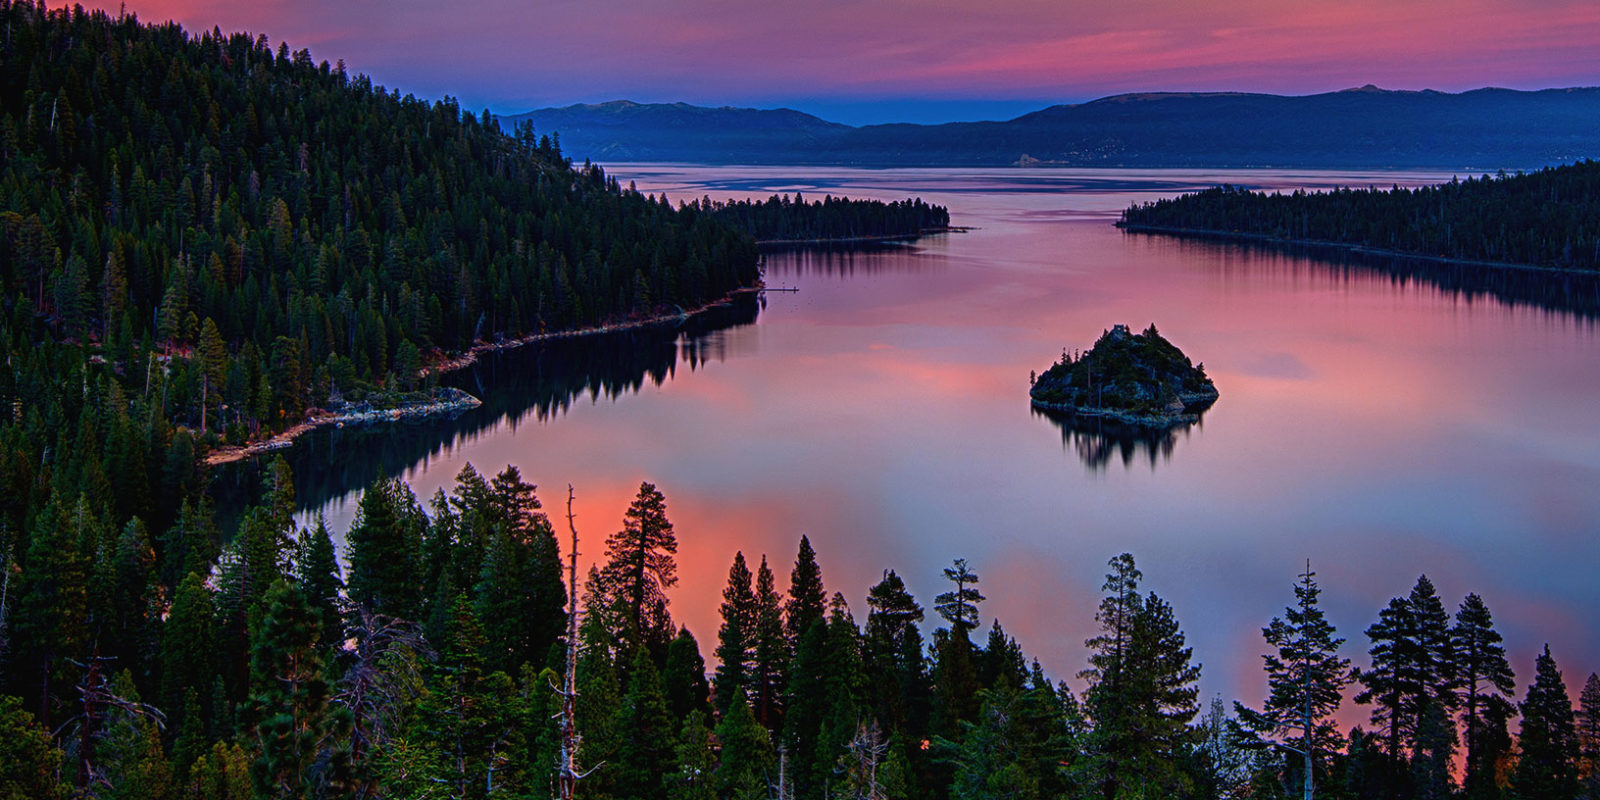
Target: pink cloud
<point>512,55</point>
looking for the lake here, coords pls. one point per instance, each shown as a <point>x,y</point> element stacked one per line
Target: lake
<point>1381,423</point>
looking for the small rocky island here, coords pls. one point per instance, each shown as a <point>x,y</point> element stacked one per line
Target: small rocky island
<point>1139,379</point>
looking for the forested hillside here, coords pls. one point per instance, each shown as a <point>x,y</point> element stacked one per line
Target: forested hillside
<point>783,218</point>
<point>1548,218</point>
<point>249,232</point>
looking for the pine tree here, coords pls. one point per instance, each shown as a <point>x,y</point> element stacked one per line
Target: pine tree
<point>317,568</point>
<point>807,599</point>
<point>1384,683</point>
<point>188,643</point>
<point>32,761</point>
<point>468,712</point>
<point>299,736</point>
<point>893,647</point>
<point>1305,682</point>
<point>50,621</point>
<point>382,550</point>
<point>1588,729</point>
<point>771,651</point>
<point>131,630</point>
<point>222,774</point>
<point>1141,693</point>
<point>806,708</point>
<point>1016,748</point>
<point>684,677</point>
<point>1486,682</point>
<point>745,766</point>
<point>694,777</point>
<point>1547,766</point>
<point>640,567</point>
<point>960,606</point>
<point>1413,666</point>
<point>1001,659</point>
<point>520,595</point>
<point>647,749</point>
<point>736,637</point>
<point>844,691</point>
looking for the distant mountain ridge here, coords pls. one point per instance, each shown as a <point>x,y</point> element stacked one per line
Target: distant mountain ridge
<point>1365,127</point>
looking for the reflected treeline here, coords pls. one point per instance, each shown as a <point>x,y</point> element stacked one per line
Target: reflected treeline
<point>841,259</point>
<point>1551,290</point>
<point>534,382</point>
<point>1099,441</point>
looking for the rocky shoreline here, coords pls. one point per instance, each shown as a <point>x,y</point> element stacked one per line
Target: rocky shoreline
<point>1193,404</point>
<point>448,400</point>
<point>442,402</point>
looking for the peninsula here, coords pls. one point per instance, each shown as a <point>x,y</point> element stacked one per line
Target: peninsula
<point>1545,219</point>
<point>1140,379</point>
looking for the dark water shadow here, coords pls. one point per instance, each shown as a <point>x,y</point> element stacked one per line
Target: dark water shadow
<point>1098,442</point>
<point>533,383</point>
<point>1574,293</point>
<point>843,261</point>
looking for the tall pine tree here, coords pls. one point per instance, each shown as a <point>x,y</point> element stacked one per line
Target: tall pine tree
<point>1305,683</point>
<point>640,567</point>
<point>736,637</point>
<point>1486,682</point>
<point>1547,766</point>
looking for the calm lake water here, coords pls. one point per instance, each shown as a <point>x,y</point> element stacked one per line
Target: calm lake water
<point>1381,425</point>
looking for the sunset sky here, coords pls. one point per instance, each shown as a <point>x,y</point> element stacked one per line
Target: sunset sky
<point>918,60</point>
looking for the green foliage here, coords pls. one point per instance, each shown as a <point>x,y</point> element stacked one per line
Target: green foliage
<point>300,738</point>
<point>647,749</point>
<point>519,592</point>
<point>33,762</point>
<point>784,219</point>
<point>1141,696</point>
<point>1019,747</point>
<point>189,642</point>
<point>197,190</point>
<point>745,769</point>
<point>384,541</point>
<point>684,677</point>
<point>1545,218</point>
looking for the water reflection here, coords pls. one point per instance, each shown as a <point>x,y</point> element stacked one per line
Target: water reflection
<point>537,382</point>
<point>1570,292</point>
<point>855,259</point>
<point>1098,441</point>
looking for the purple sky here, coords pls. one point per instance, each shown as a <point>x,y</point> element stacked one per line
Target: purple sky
<point>922,60</point>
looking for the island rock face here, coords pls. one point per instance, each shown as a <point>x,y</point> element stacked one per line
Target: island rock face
<point>1136,378</point>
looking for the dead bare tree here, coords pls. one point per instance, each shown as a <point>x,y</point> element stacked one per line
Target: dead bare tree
<point>864,754</point>
<point>571,740</point>
<point>384,675</point>
<point>89,726</point>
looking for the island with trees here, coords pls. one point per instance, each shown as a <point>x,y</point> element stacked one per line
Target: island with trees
<point>1547,219</point>
<point>1136,379</point>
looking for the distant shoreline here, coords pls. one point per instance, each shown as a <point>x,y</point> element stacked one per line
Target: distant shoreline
<point>1208,233</point>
